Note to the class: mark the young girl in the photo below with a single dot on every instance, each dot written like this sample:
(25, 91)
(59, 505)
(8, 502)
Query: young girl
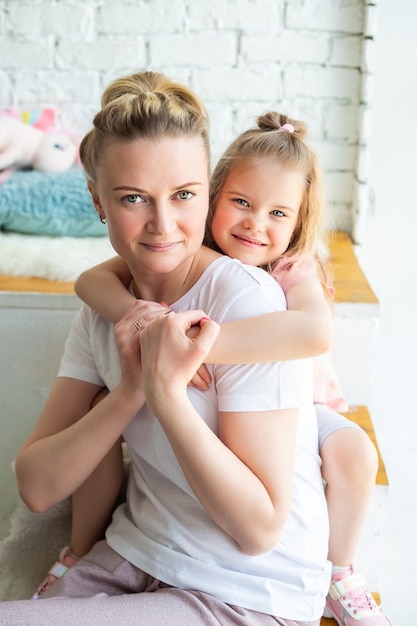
(266, 204)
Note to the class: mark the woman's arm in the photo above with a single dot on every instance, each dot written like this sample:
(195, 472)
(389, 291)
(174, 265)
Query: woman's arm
(305, 330)
(71, 438)
(104, 288)
(243, 476)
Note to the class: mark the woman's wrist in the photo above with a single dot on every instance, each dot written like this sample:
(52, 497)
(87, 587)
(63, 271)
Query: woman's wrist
(166, 398)
(128, 399)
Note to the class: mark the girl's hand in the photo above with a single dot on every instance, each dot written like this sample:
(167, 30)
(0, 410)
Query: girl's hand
(169, 357)
(201, 379)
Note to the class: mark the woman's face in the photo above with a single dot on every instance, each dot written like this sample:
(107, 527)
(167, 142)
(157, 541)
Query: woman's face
(257, 211)
(154, 195)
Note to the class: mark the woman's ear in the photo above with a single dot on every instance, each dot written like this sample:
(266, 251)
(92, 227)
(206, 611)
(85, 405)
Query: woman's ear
(96, 201)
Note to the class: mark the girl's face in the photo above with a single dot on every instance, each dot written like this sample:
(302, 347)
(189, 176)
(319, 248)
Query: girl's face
(154, 195)
(257, 211)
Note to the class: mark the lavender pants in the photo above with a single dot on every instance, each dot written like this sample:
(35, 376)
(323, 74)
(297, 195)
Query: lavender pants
(103, 589)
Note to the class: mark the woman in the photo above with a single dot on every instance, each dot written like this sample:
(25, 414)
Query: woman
(225, 520)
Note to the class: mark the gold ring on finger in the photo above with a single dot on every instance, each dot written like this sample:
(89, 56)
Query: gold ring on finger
(138, 325)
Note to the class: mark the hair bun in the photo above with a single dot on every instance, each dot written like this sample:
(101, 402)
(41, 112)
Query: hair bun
(272, 120)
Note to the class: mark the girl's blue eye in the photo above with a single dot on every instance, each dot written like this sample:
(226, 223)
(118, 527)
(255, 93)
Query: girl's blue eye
(185, 195)
(277, 213)
(242, 202)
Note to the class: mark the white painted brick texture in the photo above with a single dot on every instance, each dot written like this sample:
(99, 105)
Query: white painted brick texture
(305, 58)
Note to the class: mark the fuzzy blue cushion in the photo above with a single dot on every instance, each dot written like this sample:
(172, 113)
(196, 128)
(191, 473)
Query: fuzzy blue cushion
(44, 203)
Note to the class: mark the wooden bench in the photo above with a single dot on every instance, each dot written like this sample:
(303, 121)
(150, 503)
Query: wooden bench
(22, 284)
(351, 284)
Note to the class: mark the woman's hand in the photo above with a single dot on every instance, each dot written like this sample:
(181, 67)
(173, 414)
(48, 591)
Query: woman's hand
(144, 311)
(136, 318)
(170, 358)
(128, 347)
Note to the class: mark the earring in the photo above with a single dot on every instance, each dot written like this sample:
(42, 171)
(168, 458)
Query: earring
(103, 220)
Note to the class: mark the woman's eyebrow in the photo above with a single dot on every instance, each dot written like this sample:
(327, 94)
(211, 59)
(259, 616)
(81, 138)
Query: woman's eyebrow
(128, 188)
(139, 190)
(189, 184)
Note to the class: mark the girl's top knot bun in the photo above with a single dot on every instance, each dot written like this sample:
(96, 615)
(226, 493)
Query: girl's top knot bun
(274, 121)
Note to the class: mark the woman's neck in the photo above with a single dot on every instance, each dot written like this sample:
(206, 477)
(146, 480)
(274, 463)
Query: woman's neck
(172, 286)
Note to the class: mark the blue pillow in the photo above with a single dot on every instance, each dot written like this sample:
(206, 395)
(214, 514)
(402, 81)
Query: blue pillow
(46, 203)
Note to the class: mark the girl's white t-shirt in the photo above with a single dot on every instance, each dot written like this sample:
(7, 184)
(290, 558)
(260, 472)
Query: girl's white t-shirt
(162, 528)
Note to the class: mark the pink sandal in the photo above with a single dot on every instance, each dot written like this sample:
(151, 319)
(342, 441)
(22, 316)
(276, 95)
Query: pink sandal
(58, 569)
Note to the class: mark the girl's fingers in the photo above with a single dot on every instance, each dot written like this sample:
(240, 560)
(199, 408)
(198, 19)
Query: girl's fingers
(208, 335)
(202, 378)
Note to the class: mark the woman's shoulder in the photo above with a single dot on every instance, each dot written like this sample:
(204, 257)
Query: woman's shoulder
(229, 289)
(228, 270)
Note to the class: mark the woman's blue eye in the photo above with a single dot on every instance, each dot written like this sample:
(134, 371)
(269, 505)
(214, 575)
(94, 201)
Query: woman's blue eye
(132, 198)
(185, 195)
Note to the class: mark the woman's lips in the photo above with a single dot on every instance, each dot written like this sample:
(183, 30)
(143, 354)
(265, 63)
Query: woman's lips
(160, 247)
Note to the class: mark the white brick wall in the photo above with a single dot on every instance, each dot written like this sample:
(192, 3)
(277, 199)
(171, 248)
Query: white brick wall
(306, 58)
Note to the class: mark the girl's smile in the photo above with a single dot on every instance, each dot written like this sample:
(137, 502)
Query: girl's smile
(248, 241)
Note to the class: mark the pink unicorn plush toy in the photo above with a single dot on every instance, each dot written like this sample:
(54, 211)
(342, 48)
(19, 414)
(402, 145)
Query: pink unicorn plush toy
(25, 146)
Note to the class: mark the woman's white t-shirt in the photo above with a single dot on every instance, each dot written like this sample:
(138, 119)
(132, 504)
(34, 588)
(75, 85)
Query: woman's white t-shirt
(162, 528)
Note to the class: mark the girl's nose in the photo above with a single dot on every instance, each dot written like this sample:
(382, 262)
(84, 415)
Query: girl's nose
(254, 222)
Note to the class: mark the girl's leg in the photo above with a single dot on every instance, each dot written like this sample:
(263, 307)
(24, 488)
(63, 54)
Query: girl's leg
(93, 503)
(92, 507)
(349, 468)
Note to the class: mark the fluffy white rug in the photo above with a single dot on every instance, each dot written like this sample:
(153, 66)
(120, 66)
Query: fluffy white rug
(53, 258)
(34, 543)
(31, 548)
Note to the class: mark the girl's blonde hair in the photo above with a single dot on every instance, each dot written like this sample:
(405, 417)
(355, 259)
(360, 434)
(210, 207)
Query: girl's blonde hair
(279, 138)
(143, 105)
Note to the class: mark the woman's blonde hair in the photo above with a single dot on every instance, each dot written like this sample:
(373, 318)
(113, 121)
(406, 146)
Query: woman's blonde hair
(279, 138)
(143, 105)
